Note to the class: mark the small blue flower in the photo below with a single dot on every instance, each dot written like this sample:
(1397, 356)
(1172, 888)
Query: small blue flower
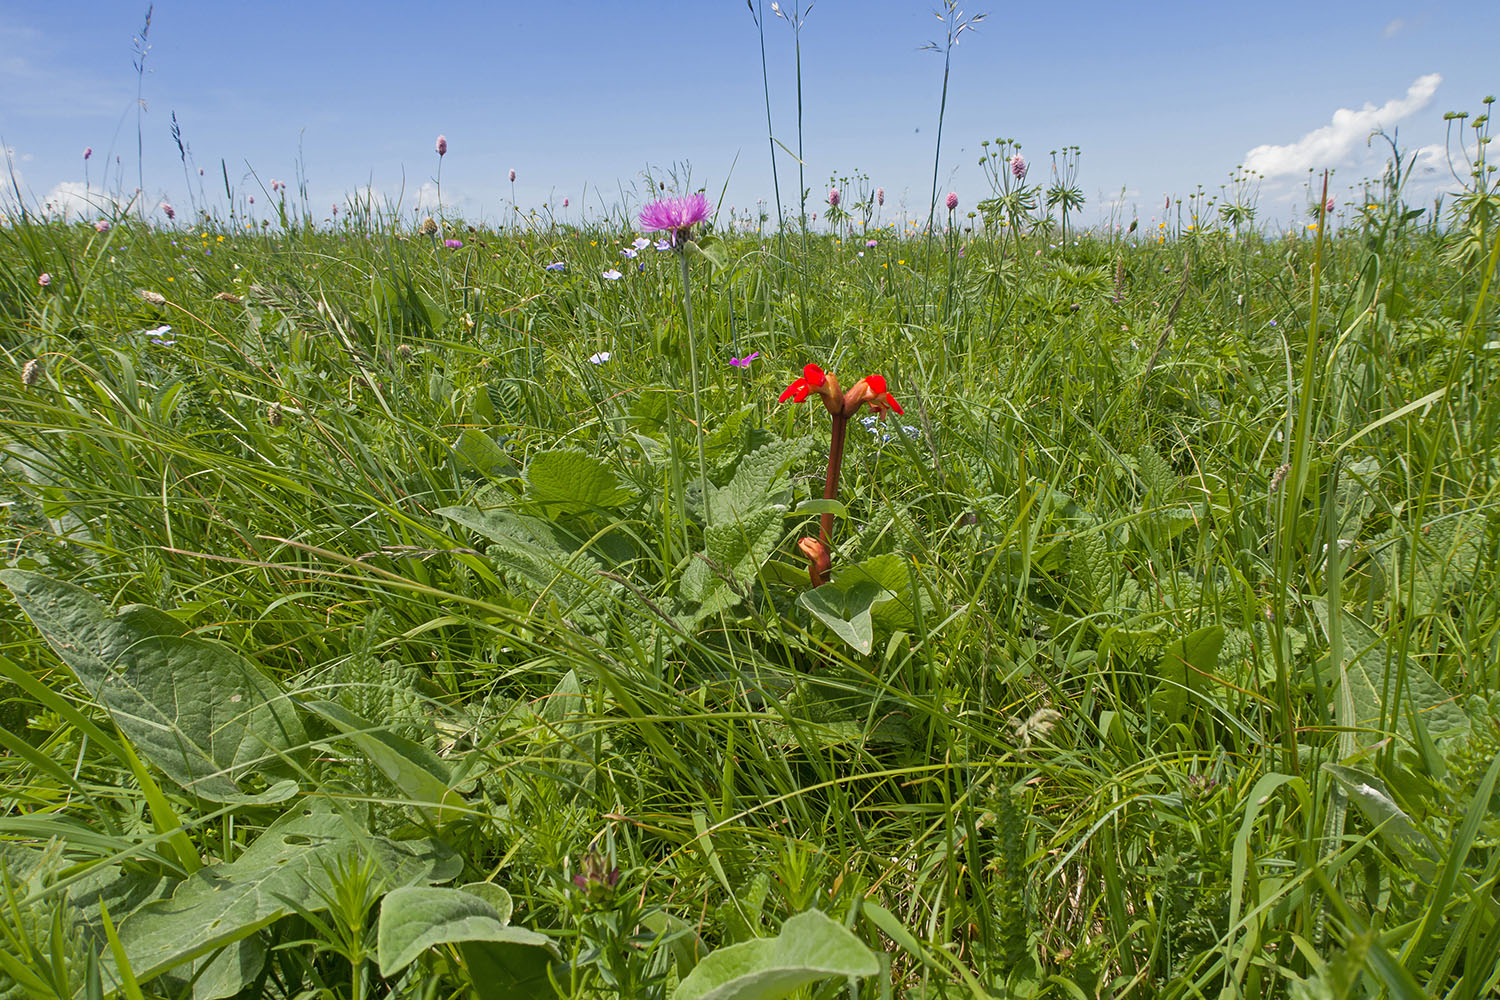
(556, 265)
(611, 275)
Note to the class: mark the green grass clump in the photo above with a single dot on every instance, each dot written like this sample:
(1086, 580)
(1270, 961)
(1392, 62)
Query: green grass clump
(1160, 655)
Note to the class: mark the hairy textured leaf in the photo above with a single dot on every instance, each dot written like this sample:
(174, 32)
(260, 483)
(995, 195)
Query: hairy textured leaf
(1187, 665)
(736, 549)
(199, 711)
(810, 947)
(289, 863)
(415, 918)
(573, 482)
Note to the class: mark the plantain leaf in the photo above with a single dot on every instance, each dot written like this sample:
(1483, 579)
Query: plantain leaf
(810, 947)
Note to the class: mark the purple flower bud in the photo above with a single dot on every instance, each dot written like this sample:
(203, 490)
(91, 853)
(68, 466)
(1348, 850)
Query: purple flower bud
(442, 145)
(833, 197)
(952, 200)
(512, 175)
(880, 196)
(88, 151)
(1018, 166)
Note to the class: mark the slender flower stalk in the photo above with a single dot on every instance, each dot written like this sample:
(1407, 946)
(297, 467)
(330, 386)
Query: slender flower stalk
(840, 406)
(678, 216)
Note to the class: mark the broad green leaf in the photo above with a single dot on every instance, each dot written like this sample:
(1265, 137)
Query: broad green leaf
(573, 482)
(846, 612)
(1393, 824)
(476, 451)
(734, 549)
(415, 918)
(759, 481)
(290, 863)
(1188, 664)
(892, 572)
(810, 947)
(419, 773)
(494, 895)
(820, 506)
(1370, 668)
(199, 711)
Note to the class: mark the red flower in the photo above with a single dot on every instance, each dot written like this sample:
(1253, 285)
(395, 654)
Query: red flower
(880, 399)
(812, 379)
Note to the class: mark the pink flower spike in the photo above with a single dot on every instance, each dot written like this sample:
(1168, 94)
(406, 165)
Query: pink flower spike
(833, 197)
(512, 175)
(952, 200)
(442, 145)
(880, 196)
(1018, 166)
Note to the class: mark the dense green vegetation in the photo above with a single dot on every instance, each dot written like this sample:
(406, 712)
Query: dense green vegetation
(371, 633)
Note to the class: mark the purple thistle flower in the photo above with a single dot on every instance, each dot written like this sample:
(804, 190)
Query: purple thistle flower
(952, 200)
(88, 151)
(745, 361)
(1018, 166)
(833, 197)
(611, 275)
(252, 199)
(454, 244)
(442, 145)
(556, 265)
(168, 211)
(565, 203)
(676, 215)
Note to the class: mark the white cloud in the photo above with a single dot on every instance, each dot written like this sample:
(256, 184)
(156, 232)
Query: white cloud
(1394, 27)
(73, 199)
(1333, 143)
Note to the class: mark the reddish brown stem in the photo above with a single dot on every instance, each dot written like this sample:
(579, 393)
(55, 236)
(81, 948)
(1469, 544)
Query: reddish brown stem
(818, 571)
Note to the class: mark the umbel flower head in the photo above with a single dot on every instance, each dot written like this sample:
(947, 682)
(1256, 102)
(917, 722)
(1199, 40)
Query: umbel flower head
(675, 215)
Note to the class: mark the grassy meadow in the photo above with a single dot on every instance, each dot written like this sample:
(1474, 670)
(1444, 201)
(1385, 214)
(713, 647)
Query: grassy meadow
(391, 617)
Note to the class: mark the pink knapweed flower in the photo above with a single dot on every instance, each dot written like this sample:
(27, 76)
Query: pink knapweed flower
(454, 244)
(676, 215)
(833, 197)
(1328, 208)
(442, 145)
(745, 361)
(512, 175)
(952, 200)
(101, 226)
(44, 279)
(880, 196)
(88, 151)
(1018, 166)
(200, 171)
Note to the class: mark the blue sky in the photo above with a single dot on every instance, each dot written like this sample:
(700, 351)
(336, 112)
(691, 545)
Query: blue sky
(580, 97)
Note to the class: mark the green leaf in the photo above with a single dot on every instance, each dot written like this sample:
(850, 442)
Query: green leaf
(710, 248)
(820, 506)
(288, 866)
(573, 482)
(420, 774)
(810, 947)
(846, 612)
(199, 711)
(476, 451)
(1187, 665)
(734, 549)
(891, 572)
(494, 895)
(1395, 827)
(416, 918)
(1370, 667)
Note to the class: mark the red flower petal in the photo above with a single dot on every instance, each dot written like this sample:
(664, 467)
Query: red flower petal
(787, 392)
(876, 384)
(814, 375)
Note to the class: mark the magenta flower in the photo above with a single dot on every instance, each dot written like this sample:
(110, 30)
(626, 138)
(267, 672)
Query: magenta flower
(168, 211)
(676, 215)
(872, 243)
(565, 203)
(512, 175)
(101, 226)
(833, 197)
(745, 361)
(454, 244)
(442, 145)
(880, 196)
(952, 200)
(44, 279)
(252, 199)
(1018, 166)
(88, 151)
